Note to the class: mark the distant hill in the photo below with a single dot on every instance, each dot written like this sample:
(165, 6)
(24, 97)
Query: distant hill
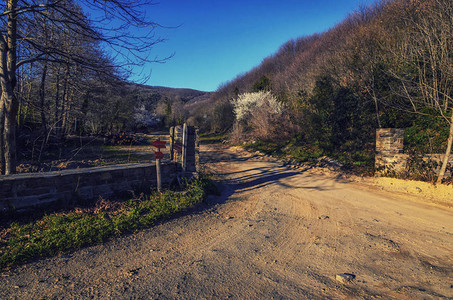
(159, 106)
(153, 94)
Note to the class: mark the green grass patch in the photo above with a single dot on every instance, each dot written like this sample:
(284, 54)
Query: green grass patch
(213, 138)
(265, 147)
(287, 150)
(304, 154)
(125, 154)
(56, 234)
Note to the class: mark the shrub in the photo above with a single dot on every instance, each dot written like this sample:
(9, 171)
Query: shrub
(248, 102)
(262, 117)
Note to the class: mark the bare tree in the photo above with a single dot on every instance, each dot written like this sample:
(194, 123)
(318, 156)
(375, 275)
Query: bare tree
(421, 51)
(113, 29)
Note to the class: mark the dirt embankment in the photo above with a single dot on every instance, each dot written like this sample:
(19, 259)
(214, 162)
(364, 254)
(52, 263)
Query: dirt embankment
(276, 232)
(441, 195)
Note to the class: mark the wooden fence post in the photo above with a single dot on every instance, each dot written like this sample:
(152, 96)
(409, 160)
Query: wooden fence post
(159, 155)
(172, 142)
(159, 176)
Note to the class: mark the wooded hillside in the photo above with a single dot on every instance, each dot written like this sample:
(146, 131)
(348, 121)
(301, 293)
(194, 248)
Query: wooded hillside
(388, 65)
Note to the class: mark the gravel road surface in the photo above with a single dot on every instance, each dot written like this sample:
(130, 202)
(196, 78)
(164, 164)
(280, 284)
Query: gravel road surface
(276, 232)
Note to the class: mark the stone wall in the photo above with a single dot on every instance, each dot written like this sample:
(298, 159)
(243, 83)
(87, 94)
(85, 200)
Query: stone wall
(22, 192)
(389, 150)
(390, 156)
(435, 160)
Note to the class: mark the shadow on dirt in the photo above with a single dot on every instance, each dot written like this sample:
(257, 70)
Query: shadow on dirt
(277, 173)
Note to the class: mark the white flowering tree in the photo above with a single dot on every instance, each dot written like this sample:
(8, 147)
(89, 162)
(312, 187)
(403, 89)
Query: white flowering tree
(247, 103)
(259, 113)
(144, 118)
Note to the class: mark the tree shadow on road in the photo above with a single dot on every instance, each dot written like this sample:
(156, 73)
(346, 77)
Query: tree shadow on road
(273, 173)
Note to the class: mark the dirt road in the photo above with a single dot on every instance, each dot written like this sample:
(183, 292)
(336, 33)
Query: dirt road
(276, 232)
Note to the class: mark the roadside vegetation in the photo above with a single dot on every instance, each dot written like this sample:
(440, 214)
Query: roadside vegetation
(63, 232)
(213, 138)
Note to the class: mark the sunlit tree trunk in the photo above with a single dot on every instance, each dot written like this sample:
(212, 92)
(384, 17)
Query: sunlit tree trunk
(447, 152)
(2, 143)
(8, 81)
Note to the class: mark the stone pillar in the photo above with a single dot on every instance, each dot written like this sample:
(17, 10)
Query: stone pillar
(389, 151)
(186, 139)
(190, 150)
(177, 143)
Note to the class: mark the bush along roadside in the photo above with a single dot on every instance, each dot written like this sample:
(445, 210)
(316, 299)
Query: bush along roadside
(61, 233)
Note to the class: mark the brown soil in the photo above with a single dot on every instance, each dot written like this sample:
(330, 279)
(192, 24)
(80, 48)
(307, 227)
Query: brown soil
(276, 232)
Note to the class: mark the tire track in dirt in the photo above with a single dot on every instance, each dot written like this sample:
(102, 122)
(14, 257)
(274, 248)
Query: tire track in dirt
(276, 232)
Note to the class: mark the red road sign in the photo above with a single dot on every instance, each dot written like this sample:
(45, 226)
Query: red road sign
(158, 144)
(177, 147)
(159, 155)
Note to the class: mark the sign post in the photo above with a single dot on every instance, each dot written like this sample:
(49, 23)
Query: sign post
(159, 155)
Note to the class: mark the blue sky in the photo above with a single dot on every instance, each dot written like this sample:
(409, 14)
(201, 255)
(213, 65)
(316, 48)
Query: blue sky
(218, 40)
